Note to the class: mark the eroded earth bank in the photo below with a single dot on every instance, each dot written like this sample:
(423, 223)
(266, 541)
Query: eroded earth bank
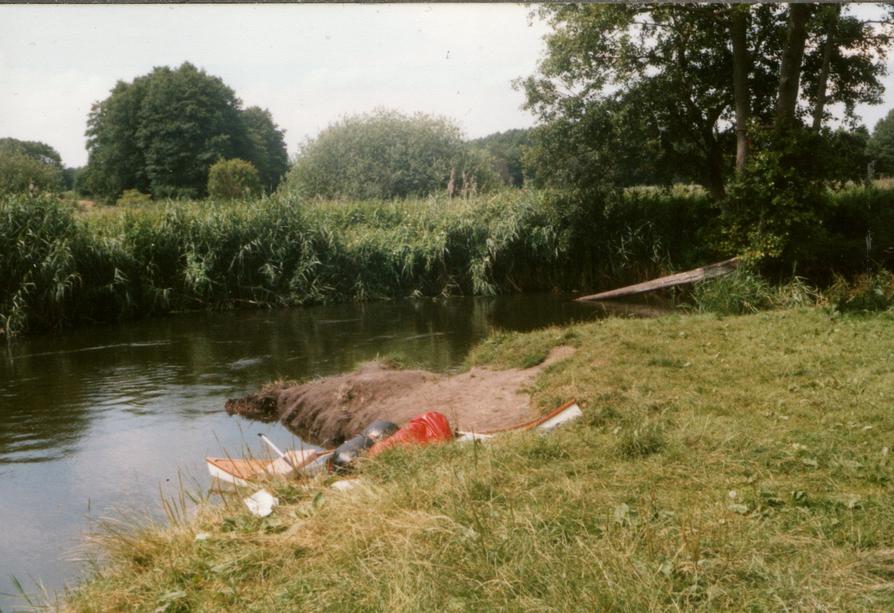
(329, 410)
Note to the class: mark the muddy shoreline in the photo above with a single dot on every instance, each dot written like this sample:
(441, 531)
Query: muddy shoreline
(329, 410)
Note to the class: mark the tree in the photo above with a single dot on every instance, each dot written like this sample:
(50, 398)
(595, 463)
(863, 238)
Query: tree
(116, 161)
(664, 70)
(613, 142)
(384, 154)
(268, 151)
(38, 151)
(790, 65)
(688, 83)
(29, 166)
(881, 145)
(233, 179)
(739, 28)
(187, 120)
(162, 132)
(844, 63)
(508, 149)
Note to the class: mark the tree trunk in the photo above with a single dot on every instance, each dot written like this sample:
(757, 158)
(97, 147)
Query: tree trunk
(716, 183)
(790, 67)
(828, 47)
(740, 84)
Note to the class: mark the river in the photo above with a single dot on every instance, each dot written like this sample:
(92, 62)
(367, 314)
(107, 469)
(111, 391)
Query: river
(97, 422)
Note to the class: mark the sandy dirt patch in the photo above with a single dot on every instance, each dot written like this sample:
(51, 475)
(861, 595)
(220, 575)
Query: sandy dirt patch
(330, 410)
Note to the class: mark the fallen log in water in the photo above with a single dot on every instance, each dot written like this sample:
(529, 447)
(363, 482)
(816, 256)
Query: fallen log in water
(710, 271)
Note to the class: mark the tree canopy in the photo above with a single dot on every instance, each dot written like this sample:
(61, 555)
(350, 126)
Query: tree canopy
(161, 133)
(881, 144)
(628, 93)
(386, 154)
(267, 152)
(508, 150)
(29, 166)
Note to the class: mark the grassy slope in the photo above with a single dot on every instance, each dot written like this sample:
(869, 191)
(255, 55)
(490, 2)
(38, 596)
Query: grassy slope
(722, 463)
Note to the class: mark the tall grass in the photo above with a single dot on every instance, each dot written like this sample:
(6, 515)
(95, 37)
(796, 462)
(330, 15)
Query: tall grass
(59, 268)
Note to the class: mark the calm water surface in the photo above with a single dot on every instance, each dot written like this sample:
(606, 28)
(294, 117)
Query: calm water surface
(96, 421)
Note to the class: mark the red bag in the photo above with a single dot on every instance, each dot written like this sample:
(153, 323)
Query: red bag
(429, 427)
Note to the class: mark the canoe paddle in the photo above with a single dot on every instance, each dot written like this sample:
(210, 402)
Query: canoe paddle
(276, 449)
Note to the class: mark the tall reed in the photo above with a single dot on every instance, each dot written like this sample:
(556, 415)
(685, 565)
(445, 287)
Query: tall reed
(60, 268)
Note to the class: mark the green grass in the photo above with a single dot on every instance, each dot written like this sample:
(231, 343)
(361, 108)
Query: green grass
(722, 463)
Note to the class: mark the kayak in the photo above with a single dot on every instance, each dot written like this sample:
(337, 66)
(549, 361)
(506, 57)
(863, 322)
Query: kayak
(242, 472)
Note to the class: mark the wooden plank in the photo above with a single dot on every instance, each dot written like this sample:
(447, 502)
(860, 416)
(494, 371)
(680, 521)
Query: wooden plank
(710, 271)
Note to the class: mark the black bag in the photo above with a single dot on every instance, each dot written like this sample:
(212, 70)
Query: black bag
(380, 429)
(348, 452)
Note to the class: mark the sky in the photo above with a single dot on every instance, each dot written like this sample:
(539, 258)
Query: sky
(309, 65)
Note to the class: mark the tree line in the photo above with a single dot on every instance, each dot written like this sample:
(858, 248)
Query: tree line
(732, 97)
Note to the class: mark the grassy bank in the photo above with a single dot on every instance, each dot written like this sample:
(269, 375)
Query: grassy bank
(62, 268)
(723, 463)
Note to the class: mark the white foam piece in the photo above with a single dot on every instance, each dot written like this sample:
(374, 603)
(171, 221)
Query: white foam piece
(261, 503)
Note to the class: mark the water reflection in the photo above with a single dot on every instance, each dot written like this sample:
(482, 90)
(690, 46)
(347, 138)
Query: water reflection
(95, 419)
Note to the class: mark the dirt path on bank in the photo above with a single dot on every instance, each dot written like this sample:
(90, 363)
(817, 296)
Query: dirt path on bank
(330, 410)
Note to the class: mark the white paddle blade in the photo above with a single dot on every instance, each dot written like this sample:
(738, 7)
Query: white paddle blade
(570, 414)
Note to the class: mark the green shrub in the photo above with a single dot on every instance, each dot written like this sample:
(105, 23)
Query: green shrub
(233, 180)
(868, 292)
(385, 154)
(133, 198)
(22, 174)
(743, 291)
(773, 212)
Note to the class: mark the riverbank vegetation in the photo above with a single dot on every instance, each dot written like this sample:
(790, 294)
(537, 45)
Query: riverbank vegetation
(722, 462)
(390, 205)
(59, 267)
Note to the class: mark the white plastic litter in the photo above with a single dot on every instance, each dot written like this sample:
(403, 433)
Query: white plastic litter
(261, 503)
(345, 484)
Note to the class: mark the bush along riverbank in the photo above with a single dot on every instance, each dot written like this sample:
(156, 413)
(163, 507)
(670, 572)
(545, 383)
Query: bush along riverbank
(722, 462)
(62, 268)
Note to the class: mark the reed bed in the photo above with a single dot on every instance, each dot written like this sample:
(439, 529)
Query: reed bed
(60, 267)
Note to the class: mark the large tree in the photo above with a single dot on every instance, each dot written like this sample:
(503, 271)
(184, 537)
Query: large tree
(29, 166)
(685, 84)
(162, 132)
(267, 151)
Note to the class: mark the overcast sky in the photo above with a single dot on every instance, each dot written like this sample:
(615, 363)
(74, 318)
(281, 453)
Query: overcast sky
(308, 64)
